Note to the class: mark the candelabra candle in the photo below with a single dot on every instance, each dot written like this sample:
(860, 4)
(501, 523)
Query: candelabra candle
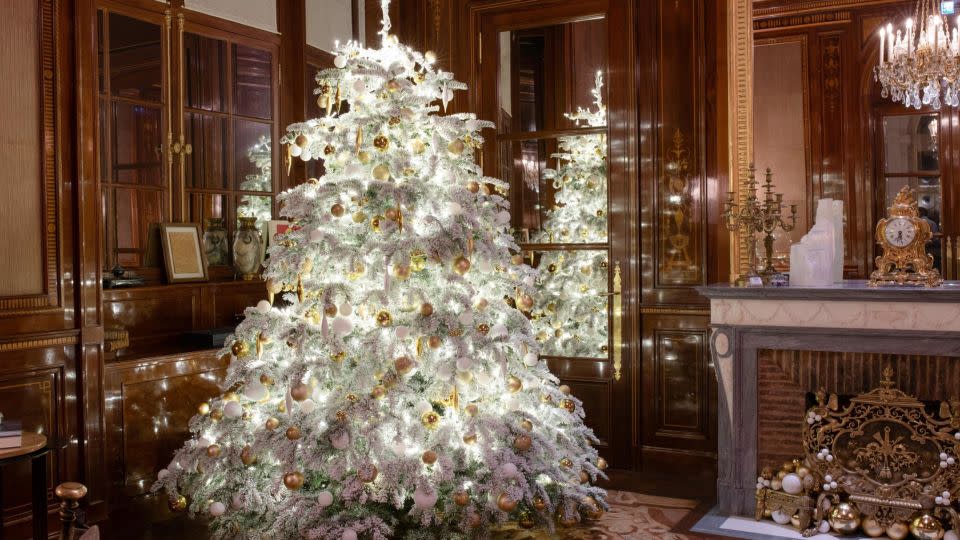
(920, 64)
(752, 216)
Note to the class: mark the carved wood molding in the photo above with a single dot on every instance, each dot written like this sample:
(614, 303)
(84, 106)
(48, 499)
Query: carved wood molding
(675, 310)
(38, 343)
(49, 143)
(804, 20)
(740, 110)
(774, 8)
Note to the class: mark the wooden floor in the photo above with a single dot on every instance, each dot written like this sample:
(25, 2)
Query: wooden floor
(150, 520)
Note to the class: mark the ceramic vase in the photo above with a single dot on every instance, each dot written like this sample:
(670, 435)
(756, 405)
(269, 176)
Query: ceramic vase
(246, 249)
(215, 242)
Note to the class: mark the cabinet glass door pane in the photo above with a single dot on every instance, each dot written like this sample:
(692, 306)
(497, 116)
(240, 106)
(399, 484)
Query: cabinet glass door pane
(135, 58)
(253, 81)
(253, 155)
(137, 150)
(206, 166)
(205, 71)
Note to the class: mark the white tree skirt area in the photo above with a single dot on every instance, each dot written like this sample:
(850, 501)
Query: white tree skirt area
(767, 528)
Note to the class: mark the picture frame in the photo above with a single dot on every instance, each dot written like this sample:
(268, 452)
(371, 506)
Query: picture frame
(183, 254)
(273, 227)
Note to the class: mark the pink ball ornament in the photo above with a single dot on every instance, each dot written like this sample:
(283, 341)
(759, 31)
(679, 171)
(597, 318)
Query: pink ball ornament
(348, 534)
(233, 410)
(236, 501)
(341, 326)
(464, 363)
(508, 469)
(217, 509)
(340, 440)
(466, 318)
(425, 497)
(325, 498)
(255, 391)
(530, 359)
(316, 235)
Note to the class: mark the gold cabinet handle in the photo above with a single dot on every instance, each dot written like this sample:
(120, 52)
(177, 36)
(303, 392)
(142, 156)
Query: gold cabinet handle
(617, 322)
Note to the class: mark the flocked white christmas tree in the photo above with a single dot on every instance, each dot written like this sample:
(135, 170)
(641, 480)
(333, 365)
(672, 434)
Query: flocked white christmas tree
(570, 318)
(392, 391)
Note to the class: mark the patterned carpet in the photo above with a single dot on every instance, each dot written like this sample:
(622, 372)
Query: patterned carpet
(632, 516)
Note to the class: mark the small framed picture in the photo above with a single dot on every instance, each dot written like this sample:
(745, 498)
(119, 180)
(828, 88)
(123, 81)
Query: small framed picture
(183, 253)
(273, 228)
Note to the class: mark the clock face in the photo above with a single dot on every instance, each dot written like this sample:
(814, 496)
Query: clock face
(900, 232)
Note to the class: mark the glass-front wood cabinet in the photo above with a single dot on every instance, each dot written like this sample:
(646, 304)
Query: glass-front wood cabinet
(187, 123)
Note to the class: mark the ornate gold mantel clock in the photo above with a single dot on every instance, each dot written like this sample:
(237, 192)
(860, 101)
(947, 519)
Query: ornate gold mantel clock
(903, 236)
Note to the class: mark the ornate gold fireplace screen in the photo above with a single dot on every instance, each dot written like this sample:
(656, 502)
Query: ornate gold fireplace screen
(883, 463)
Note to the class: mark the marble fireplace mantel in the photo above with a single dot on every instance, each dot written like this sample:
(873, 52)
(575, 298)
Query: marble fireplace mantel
(846, 318)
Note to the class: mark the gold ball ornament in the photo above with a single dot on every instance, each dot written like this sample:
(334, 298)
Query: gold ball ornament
(216, 415)
(381, 143)
(505, 503)
(539, 503)
(247, 456)
(272, 423)
(301, 140)
(328, 149)
(337, 210)
(426, 309)
(471, 409)
(456, 147)
(293, 480)
(418, 260)
(592, 509)
(514, 384)
(266, 380)
(569, 405)
(564, 389)
(384, 318)
(483, 329)
(601, 463)
(293, 433)
(363, 156)
(300, 392)
(526, 521)
(927, 527)
(417, 146)
(461, 265)
(330, 311)
(461, 498)
(584, 477)
(473, 186)
(523, 443)
(392, 213)
(566, 463)
(403, 364)
(474, 521)
(844, 518)
(429, 457)
(338, 356)
(525, 302)
(526, 425)
(898, 531)
(567, 521)
(240, 348)
(359, 216)
(178, 504)
(871, 527)
(231, 396)
(470, 438)
(401, 271)
(434, 342)
(375, 223)
(393, 85)
(378, 391)
(214, 450)
(203, 408)
(381, 172)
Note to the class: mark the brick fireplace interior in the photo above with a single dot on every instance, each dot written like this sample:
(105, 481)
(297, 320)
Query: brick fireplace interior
(787, 382)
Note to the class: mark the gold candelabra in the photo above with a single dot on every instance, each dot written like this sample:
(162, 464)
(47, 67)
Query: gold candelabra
(754, 215)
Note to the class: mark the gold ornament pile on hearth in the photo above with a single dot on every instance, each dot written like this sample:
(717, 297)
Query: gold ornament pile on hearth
(884, 463)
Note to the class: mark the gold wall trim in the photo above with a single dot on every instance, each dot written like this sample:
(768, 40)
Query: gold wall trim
(798, 21)
(668, 310)
(769, 8)
(740, 112)
(38, 343)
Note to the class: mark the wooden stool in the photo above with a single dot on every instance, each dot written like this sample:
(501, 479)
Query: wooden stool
(35, 449)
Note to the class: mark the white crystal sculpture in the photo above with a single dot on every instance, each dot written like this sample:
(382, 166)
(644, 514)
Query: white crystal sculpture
(817, 260)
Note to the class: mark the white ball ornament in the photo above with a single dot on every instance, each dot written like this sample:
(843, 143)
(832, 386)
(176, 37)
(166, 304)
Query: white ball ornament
(204, 442)
(503, 217)
(341, 326)
(255, 391)
(316, 235)
(454, 208)
(359, 85)
(444, 372)
(217, 508)
(340, 61)
(263, 306)
(423, 407)
(295, 150)
(792, 484)
(530, 359)
(232, 410)
(464, 363)
(402, 332)
(824, 527)
(425, 497)
(781, 517)
(325, 499)
(951, 535)
(348, 534)
(308, 406)
(485, 266)
(306, 155)
(346, 309)
(482, 378)
(466, 318)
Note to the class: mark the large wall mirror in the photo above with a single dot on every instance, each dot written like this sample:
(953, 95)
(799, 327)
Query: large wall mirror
(823, 127)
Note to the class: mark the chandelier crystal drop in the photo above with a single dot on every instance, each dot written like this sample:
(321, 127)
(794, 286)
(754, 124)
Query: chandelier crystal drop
(919, 64)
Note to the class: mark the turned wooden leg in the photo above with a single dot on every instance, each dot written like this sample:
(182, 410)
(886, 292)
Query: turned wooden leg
(69, 494)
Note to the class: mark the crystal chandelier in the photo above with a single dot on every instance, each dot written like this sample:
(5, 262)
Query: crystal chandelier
(920, 61)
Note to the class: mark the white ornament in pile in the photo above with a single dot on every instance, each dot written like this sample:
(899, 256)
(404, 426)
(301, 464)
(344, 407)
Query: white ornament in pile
(792, 484)
(263, 306)
(780, 517)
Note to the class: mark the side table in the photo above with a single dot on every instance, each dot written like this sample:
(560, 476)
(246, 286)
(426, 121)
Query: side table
(35, 449)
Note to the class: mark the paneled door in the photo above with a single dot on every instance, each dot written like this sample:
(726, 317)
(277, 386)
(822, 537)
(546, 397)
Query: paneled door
(544, 78)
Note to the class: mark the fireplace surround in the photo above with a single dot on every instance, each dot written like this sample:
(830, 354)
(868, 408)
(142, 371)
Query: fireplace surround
(773, 346)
